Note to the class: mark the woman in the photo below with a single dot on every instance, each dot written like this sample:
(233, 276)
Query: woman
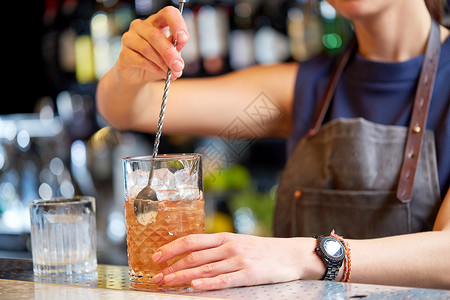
(373, 100)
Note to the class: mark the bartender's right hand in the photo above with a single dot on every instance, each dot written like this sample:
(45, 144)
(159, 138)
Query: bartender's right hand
(147, 48)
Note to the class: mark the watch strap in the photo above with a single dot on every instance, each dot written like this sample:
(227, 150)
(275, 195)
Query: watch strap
(331, 273)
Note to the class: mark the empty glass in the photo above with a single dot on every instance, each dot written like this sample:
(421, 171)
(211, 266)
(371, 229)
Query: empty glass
(63, 235)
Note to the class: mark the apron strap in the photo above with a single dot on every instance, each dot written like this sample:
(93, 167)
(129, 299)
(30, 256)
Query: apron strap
(419, 115)
(331, 87)
(417, 125)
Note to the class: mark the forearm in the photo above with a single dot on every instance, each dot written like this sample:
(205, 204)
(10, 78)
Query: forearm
(120, 105)
(419, 260)
(204, 106)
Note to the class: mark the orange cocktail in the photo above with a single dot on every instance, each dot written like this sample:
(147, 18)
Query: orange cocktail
(175, 219)
(178, 212)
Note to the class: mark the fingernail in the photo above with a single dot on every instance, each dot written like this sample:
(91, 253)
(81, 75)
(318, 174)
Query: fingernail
(181, 36)
(176, 75)
(169, 277)
(157, 256)
(158, 277)
(177, 66)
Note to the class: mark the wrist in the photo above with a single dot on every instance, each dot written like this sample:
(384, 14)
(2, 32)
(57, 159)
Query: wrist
(312, 266)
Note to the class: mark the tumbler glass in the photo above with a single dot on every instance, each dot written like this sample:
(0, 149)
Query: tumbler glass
(63, 236)
(179, 211)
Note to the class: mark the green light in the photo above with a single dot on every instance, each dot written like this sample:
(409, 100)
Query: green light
(332, 40)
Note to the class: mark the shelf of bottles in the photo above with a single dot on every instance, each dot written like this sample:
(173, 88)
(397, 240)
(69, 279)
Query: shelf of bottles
(226, 35)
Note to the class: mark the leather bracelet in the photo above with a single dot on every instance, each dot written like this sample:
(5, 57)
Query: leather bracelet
(347, 258)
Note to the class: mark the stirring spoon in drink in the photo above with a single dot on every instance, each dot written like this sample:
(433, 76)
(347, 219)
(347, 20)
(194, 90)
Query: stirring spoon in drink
(145, 203)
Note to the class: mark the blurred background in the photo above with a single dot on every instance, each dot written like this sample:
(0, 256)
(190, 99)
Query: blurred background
(53, 142)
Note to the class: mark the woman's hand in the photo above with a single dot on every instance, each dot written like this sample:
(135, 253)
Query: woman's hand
(223, 260)
(147, 50)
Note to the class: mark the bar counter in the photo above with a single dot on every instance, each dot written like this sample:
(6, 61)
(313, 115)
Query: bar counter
(111, 282)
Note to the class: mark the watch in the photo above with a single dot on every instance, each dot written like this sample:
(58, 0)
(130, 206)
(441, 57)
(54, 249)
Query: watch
(332, 252)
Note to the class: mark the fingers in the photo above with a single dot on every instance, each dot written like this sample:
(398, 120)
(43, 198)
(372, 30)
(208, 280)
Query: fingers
(214, 282)
(170, 17)
(204, 271)
(215, 262)
(143, 56)
(134, 41)
(196, 259)
(152, 44)
(223, 281)
(131, 67)
(147, 47)
(193, 242)
(226, 260)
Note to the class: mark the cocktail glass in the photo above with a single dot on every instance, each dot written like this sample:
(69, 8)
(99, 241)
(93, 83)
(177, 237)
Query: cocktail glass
(179, 211)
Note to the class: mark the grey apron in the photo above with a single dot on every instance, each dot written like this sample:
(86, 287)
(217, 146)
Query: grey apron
(363, 179)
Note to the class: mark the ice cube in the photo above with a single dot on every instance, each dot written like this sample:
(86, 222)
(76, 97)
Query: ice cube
(136, 181)
(189, 193)
(187, 184)
(171, 195)
(163, 179)
(183, 178)
(134, 190)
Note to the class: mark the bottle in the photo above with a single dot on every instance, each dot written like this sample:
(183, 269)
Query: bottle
(305, 29)
(271, 42)
(213, 28)
(242, 34)
(191, 52)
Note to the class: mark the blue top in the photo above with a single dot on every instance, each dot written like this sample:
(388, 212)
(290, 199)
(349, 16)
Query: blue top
(379, 92)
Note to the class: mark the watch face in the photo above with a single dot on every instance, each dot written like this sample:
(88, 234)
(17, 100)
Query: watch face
(333, 248)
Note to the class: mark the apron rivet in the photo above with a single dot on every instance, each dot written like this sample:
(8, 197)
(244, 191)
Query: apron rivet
(417, 129)
(425, 80)
(298, 194)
